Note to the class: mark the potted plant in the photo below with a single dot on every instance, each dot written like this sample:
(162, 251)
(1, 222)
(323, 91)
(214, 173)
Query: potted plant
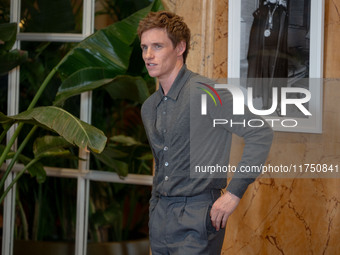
(110, 70)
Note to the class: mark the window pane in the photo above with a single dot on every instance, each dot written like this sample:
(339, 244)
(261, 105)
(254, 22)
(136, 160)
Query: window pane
(114, 113)
(3, 100)
(3, 93)
(4, 11)
(43, 57)
(4, 18)
(45, 212)
(109, 12)
(62, 16)
(118, 212)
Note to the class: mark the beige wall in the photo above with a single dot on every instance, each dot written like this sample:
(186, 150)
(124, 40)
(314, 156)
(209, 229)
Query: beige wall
(278, 216)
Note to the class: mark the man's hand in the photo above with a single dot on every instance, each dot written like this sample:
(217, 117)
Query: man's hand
(222, 209)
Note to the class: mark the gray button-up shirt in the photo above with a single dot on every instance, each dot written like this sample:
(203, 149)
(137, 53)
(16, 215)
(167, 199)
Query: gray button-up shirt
(168, 123)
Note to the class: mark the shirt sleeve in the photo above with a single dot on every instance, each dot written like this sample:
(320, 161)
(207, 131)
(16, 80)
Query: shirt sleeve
(257, 138)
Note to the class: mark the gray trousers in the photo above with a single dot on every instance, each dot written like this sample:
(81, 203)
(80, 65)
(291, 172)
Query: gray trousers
(182, 225)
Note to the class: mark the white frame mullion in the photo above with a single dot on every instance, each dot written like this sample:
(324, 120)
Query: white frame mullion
(12, 109)
(83, 187)
(50, 37)
(9, 202)
(94, 175)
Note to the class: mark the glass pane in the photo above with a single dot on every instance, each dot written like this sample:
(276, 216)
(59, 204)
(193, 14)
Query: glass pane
(45, 212)
(278, 33)
(109, 12)
(1, 213)
(3, 93)
(4, 18)
(4, 11)
(116, 112)
(43, 57)
(3, 101)
(118, 212)
(127, 149)
(46, 16)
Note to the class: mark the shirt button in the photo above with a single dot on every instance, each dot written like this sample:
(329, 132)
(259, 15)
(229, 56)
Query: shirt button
(166, 148)
(166, 178)
(164, 112)
(164, 130)
(166, 163)
(165, 98)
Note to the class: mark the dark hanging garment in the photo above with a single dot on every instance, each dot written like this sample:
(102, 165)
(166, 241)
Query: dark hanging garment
(267, 53)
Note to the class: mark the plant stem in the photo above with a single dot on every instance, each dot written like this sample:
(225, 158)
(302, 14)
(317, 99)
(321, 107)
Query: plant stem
(16, 155)
(42, 88)
(33, 161)
(9, 145)
(18, 129)
(3, 134)
(23, 217)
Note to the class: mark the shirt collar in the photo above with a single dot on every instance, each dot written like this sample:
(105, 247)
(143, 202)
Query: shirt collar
(176, 87)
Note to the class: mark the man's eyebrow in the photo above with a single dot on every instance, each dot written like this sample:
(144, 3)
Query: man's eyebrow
(154, 43)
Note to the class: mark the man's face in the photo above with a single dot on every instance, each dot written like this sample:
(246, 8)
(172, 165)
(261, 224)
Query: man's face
(159, 54)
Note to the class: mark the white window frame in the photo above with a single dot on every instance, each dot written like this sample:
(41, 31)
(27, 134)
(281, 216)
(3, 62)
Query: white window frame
(83, 174)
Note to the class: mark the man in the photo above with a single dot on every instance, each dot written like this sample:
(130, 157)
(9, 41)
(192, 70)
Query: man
(188, 215)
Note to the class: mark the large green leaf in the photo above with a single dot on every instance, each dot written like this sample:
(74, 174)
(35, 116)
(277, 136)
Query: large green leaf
(36, 170)
(48, 143)
(125, 140)
(65, 124)
(83, 80)
(108, 157)
(8, 34)
(119, 87)
(109, 48)
(128, 87)
(11, 59)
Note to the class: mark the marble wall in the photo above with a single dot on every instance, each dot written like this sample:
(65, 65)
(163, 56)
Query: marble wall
(278, 216)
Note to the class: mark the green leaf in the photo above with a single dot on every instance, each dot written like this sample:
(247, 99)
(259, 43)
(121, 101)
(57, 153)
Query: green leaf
(119, 87)
(109, 48)
(128, 87)
(146, 156)
(108, 157)
(11, 59)
(65, 124)
(83, 80)
(49, 143)
(125, 140)
(36, 170)
(5, 121)
(8, 34)
(109, 216)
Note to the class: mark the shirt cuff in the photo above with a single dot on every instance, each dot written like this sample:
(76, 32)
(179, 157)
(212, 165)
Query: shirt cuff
(238, 186)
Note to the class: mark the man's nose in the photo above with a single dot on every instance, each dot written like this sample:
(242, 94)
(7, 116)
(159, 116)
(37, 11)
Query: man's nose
(149, 53)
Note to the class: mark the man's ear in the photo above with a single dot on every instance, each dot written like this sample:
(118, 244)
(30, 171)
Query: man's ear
(180, 48)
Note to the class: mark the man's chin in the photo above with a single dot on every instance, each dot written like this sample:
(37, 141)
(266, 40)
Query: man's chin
(153, 74)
